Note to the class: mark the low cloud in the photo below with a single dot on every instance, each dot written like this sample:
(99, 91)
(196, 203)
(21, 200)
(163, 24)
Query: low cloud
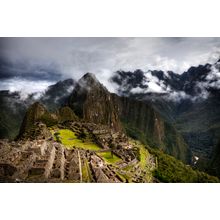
(150, 84)
(178, 96)
(24, 87)
(212, 81)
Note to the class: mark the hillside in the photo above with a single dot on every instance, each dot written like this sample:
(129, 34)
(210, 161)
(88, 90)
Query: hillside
(79, 152)
(12, 110)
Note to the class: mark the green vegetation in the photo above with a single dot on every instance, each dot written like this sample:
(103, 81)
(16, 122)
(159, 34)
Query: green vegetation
(171, 141)
(109, 157)
(57, 137)
(134, 133)
(48, 120)
(171, 170)
(139, 170)
(144, 154)
(69, 139)
(66, 114)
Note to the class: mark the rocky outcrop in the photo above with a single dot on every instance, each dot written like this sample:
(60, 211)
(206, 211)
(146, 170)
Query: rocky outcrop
(92, 102)
(66, 114)
(35, 121)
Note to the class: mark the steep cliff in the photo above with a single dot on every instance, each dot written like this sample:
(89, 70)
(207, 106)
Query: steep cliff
(143, 122)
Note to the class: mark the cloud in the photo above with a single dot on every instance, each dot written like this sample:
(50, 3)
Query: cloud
(24, 87)
(150, 84)
(212, 81)
(53, 59)
(177, 96)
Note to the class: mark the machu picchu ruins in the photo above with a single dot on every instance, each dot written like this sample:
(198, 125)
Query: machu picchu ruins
(46, 160)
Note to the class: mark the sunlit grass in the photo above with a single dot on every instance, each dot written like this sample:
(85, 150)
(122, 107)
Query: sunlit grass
(107, 156)
(69, 139)
(144, 154)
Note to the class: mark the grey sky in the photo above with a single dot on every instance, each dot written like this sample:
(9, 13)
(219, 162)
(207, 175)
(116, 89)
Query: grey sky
(60, 58)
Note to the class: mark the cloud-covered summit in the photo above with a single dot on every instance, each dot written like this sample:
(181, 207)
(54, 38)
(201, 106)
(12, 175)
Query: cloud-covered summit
(197, 83)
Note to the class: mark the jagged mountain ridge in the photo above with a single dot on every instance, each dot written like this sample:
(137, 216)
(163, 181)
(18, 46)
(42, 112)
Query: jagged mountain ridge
(203, 78)
(189, 101)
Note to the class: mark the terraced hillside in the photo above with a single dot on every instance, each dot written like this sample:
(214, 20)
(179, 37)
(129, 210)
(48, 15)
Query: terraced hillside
(77, 152)
(69, 156)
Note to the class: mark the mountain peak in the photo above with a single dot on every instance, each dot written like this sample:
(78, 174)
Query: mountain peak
(89, 75)
(37, 106)
(91, 101)
(33, 114)
(89, 79)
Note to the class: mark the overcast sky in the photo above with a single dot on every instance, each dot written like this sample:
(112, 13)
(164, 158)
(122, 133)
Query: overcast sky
(42, 61)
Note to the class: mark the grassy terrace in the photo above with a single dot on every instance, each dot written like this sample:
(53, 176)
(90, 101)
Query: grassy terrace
(144, 154)
(69, 139)
(107, 156)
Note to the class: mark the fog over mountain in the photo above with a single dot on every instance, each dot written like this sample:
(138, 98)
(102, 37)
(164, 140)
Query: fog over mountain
(32, 64)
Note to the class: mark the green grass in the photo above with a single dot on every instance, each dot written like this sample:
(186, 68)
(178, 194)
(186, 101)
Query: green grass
(143, 153)
(143, 157)
(69, 139)
(108, 157)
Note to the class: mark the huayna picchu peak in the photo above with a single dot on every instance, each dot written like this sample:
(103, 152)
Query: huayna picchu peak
(92, 102)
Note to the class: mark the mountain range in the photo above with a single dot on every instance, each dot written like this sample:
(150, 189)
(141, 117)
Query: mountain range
(190, 102)
(171, 114)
